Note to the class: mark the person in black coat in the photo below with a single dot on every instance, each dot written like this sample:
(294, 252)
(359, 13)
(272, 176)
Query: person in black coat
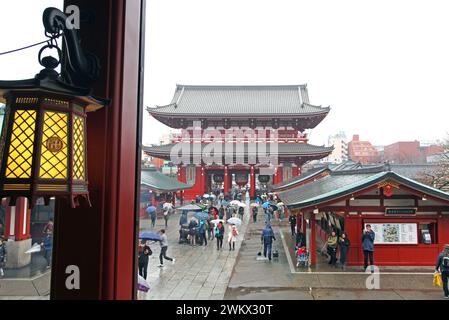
(193, 226)
(144, 255)
(292, 220)
(443, 266)
(343, 243)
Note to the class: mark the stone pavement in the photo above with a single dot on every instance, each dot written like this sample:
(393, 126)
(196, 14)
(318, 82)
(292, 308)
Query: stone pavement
(260, 279)
(199, 272)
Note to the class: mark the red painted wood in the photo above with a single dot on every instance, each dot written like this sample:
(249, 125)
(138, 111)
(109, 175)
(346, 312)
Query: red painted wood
(21, 219)
(252, 190)
(107, 259)
(197, 188)
(313, 239)
(295, 172)
(227, 182)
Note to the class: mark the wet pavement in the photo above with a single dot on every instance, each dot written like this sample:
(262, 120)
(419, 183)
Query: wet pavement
(199, 272)
(257, 279)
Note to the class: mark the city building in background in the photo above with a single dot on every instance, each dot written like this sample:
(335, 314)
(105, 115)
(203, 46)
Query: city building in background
(410, 152)
(340, 152)
(362, 151)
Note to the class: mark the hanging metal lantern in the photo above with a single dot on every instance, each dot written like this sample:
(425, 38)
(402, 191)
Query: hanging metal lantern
(43, 140)
(218, 178)
(241, 179)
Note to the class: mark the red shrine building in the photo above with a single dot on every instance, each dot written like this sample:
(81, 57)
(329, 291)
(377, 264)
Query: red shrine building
(238, 135)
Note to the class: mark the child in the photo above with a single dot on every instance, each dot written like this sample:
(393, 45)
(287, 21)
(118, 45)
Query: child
(301, 256)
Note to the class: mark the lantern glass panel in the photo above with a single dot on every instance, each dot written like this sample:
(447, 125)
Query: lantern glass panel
(20, 155)
(54, 150)
(78, 149)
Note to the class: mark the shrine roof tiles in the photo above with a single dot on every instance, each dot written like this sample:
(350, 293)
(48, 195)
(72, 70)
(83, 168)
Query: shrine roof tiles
(238, 100)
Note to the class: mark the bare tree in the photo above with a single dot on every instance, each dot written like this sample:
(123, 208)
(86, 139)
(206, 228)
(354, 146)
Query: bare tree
(438, 177)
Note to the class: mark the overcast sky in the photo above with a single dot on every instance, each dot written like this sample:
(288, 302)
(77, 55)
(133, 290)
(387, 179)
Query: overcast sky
(382, 66)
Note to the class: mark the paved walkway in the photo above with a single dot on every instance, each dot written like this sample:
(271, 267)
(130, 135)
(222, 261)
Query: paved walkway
(199, 272)
(257, 279)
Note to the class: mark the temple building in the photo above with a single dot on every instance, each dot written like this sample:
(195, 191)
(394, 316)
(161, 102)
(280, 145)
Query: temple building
(410, 219)
(242, 135)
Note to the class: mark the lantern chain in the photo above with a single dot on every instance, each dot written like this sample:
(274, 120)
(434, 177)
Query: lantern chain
(51, 42)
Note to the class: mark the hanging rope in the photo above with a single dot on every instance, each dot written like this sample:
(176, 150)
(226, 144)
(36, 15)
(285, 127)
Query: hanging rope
(49, 41)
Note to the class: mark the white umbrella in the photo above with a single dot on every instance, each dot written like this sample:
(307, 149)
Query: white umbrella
(167, 205)
(241, 204)
(234, 203)
(235, 221)
(35, 248)
(217, 221)
(254, 204)
(206, 195)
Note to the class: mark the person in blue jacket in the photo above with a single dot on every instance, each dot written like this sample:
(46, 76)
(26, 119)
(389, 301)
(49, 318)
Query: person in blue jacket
(368, 246)
(267, 240)
(47, 246)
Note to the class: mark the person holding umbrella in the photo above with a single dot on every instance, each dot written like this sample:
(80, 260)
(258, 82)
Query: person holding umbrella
(232, 236)
(202, 232)
(192, 231)
(164, 247)
(219, 234)
(151, 211)
(183, 218)
(241, 212)
(255, 211)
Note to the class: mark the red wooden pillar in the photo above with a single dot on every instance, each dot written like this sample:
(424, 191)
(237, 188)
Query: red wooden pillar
(203, 180)
(280, 174)
(313, 240)
(226, 180)
(295, 172)
(22, 221)
(275, 176)
(107, 262)
(252, 189)
(17, 220)
(182, 173)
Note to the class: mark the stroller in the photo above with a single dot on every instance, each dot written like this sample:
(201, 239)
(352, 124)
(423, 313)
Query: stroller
(302, 257)
(183, 234)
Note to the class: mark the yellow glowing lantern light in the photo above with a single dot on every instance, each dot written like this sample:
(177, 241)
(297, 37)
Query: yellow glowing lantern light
(43, 145)
(43, 139)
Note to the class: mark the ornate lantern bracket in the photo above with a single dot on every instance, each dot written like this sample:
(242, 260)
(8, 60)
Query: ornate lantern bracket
(43, 141)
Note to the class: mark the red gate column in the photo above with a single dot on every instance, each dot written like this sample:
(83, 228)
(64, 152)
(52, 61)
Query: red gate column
(226, 180)
(22, 225)
(295, 172)
(17, 231)
(275, 176)
(252, 188)
(106, 232)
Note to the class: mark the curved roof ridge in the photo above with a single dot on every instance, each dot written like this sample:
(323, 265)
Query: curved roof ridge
(315, 106)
